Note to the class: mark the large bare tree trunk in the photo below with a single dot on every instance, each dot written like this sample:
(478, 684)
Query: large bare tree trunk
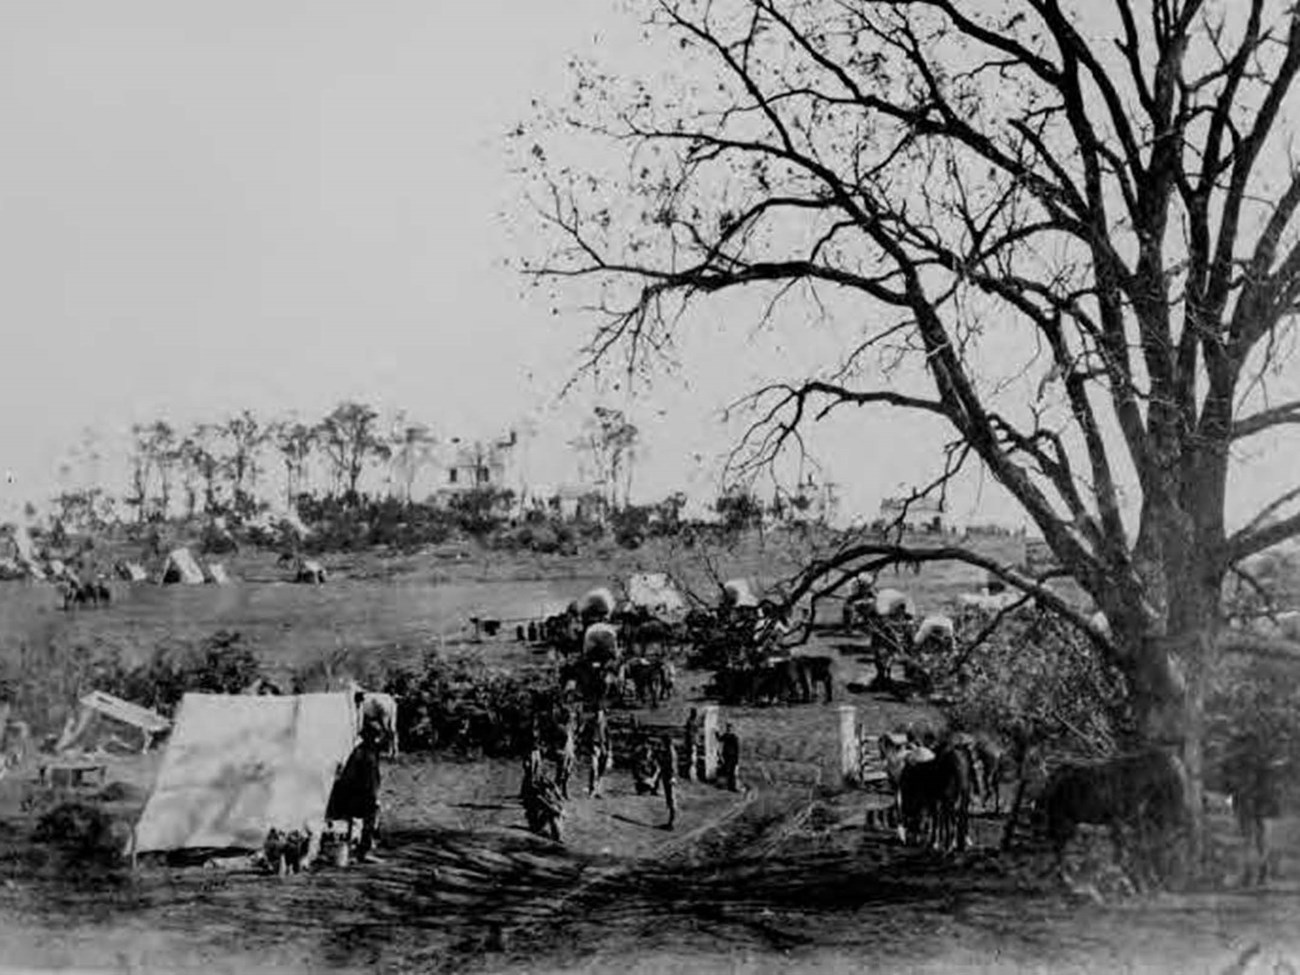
(1168, 676)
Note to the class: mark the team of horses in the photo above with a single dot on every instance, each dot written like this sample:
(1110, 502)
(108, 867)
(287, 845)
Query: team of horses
(1140, 797)
(79, 593)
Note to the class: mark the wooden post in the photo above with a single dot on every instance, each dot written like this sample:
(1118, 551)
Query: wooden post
(710, 742)
(848, 744)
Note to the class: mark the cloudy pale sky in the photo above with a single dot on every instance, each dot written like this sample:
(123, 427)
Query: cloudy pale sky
(278, 205)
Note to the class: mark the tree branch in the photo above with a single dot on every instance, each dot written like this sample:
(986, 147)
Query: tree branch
(904, 554)
(1280, 415)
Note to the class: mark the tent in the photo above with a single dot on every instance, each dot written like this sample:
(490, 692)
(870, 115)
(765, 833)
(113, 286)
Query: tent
(131, 572)
(181, 567)
(237, 766)
(655, 591)
(215, 573)
(98, 704)
(20, 552)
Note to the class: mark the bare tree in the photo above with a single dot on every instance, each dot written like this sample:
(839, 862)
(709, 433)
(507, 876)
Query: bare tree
(349, 438)
(1109, 187)
(199, 451)
(244, 435)
(137, 496)
(295, 441)
(609, 439)
(165, 455)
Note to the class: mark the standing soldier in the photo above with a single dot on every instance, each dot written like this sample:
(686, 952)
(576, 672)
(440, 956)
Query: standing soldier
(730, 758)
(597, 742)
(567, 756)
(692, 737)
(356, 793)
(532, 764)
(542, 803)
(668, 777)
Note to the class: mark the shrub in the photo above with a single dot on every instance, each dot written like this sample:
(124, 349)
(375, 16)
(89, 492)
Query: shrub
(80, 830)
(1257, 700)
(464, 706)
(1038, 680)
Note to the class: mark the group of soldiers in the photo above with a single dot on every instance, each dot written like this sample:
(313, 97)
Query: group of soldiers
(655, 766)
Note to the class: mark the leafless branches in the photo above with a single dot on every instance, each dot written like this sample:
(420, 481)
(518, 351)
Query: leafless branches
(958, 171)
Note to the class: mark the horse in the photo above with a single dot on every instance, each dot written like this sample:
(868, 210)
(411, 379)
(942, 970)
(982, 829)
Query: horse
(990, 762)
(1251, 775)
(378, 710)
(897, 751)
(814, 672)
(1143, 793)
(934, 799)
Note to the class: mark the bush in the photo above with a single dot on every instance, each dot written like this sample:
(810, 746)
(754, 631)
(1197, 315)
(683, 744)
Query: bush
(466, 707)
(1252, 699)
(1038, 680)
(220, 664)
(215, 541)
(81, 830)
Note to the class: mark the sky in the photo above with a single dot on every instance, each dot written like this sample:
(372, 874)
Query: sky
(279, 206)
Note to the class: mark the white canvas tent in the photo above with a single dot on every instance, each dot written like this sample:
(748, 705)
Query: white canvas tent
(237, 766)
(181, 567)
(215, 573)
(655, 592)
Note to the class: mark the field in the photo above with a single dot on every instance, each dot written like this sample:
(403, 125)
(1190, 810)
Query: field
(781, 876)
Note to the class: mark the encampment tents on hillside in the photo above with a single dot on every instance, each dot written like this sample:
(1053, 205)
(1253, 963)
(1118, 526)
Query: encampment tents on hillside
(237, 766)
(215, 573)
(182, 568)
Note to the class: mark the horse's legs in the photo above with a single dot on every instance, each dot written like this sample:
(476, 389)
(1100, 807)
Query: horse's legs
(1130, 858)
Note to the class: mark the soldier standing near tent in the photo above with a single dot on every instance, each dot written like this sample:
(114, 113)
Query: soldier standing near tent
(356, 792)
(668, 777)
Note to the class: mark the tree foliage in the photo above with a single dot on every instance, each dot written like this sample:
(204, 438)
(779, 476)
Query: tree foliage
(610, 439)
(349, 437)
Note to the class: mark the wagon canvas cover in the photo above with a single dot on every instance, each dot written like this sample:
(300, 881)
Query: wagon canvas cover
(238, 765)
(655, 591)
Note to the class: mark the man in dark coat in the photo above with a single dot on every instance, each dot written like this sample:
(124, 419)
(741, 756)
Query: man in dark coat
(668, 777)
(730, 765)
(356, 792)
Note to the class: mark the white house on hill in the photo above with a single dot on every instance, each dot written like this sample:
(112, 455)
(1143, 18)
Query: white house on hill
(474, 466)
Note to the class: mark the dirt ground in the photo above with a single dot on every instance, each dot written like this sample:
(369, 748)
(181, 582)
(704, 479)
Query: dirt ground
(784, 876)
